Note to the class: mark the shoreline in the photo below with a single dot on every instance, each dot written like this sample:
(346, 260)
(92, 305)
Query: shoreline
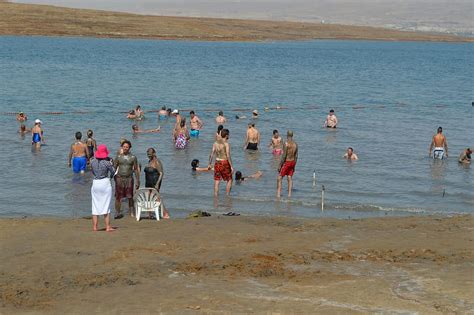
(238, 264)
(44, 20)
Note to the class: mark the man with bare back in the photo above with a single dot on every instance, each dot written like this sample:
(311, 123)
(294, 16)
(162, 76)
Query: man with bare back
(287, 163)
(252, 139)
(440, 145)
(223, 168)
(78, 155)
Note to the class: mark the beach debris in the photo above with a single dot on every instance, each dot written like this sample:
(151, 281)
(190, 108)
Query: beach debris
(314, 178)
(323, 189)
(198, 214)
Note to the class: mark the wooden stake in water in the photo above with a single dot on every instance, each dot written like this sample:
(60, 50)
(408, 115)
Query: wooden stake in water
(322, 198)
(314, 179)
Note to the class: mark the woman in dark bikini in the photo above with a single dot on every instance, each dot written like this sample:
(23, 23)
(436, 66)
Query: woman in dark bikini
(154, 175)
(91, 143)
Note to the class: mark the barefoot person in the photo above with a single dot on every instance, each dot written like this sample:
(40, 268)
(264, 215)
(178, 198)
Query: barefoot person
(223, 168)
(37, 135)
(101, 191)
(78, 154)
(154, 175)
(220, 119)
(127, 165)
(276, 143)
(136, 129)
(465, 156)
(91, 143)
(331, 120)
(195, 124)
(287, 163)
(350, 155)
(252, 138)
(440, 145)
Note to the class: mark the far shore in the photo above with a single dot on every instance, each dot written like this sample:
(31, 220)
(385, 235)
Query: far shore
(43, 20)
(245, 264)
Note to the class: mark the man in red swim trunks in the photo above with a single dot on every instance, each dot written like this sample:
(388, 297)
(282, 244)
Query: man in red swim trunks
(223, 168)
(287, 163)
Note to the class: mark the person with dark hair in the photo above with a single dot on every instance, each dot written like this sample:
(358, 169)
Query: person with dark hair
(195, 124)
(154, 175)
(195, 167)
(136, 129)
(465, 156)
(91, 143)
(350, 155)
(218, 133)
(163, 113)
(181, 135)
(78, 154)
(440, 145)
(220, 119)
(126, 165)
(287, 163)
(37, 135)
(240, 178)
(252, 139)
(276, 143)
(223, 168)
(331, 120)
(139, 113)
(103, 170)
(131, 114)
(21, 117)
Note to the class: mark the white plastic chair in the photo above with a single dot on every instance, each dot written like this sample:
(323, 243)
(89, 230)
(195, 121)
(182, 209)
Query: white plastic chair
(148, 200)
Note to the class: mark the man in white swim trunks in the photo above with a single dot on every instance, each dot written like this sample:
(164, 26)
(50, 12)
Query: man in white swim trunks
(440, 145)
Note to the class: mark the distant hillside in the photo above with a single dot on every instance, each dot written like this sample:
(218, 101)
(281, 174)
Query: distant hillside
(27, 19)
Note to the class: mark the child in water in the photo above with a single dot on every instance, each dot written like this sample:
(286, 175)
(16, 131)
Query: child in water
(276, 144)
(195, 167)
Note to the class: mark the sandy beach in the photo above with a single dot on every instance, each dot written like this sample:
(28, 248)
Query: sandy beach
(238, 264)
(44, 20)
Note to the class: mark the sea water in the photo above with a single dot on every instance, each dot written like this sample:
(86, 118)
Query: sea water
(389, 97)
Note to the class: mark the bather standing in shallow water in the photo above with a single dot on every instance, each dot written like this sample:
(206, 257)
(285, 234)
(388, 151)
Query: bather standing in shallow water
(37, 135)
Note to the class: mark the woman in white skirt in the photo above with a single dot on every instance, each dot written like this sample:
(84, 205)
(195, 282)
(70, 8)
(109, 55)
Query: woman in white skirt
(103, 170)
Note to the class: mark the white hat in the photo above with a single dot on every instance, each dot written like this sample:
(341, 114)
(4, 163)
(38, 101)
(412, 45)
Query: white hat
(175, 111)
(37, 121)
(255, 112)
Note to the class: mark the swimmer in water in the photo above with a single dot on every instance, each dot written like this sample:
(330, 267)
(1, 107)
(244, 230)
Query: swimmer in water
(131, 115)
(91, 143)
(440, 145)
(37, 135)
(195, 124)
(21, 117)
(78, 155)
(255, 114)
(163, 113)
(220, 119)
(252, 139)
(23, 130)
(465, 156)
(276, 143)
(218, 133)
(136, 129)
(240, 178)
(331, 120)
(350, 155)
(195, 167)
(139, 113)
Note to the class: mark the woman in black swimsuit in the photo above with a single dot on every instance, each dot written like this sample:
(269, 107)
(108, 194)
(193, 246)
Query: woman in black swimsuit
(154, 175)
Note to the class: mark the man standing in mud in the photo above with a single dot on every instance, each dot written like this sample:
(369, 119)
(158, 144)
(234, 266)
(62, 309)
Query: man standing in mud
(126, 164)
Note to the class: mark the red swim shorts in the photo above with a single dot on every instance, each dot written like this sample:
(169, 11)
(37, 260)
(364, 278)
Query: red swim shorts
(222, 171)
(288, 168)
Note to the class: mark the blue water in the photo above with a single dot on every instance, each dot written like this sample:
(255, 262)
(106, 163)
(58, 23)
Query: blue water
(389, 97)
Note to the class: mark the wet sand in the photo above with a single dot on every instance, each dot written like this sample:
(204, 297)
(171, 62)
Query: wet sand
(44, 20)
(238, 264)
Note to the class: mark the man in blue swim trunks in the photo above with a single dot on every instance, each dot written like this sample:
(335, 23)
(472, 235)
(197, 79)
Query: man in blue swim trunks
(78, 154)
(195, 124)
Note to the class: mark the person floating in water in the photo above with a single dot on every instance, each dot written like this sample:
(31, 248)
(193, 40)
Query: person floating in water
(91, 143)
(255, 114)
(220, 119)
(37, 134)
(154, 175)
(139, 114)
(78, 155)
(127, 165)
(276, 143)
(195, 167)
(331, 120)
(23, 130)
(195, 124)
(163, 113)
(252, 139)
(21, 117)
(287, 163)
(440, 145)
(136, 129)
(350, 155)
(223, 168)
(465, 156)
(240, 178)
